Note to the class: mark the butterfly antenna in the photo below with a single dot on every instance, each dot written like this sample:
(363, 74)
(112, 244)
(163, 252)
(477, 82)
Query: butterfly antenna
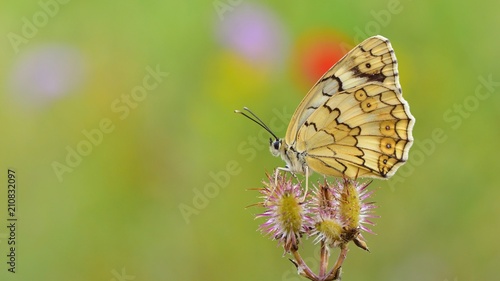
(257, 120)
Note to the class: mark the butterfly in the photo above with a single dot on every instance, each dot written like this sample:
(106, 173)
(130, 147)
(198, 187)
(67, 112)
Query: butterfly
(354, 121)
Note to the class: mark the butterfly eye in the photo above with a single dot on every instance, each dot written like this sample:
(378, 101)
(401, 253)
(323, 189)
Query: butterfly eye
(276, 145)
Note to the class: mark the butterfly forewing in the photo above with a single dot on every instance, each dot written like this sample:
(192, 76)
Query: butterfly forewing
(354, 122)
(372, 60)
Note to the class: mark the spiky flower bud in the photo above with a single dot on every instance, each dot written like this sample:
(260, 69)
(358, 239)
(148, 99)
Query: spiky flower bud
(286, 212)
(335, 214)
(341, 212)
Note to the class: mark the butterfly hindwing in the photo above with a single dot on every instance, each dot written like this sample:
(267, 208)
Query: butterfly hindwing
(363, 131)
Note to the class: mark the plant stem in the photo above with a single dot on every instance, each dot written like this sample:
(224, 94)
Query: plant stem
(335, 273)
(324, 259)
(302, 267)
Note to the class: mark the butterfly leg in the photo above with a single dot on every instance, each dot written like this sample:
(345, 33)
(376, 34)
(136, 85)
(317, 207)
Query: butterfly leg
(285, 169)
(276, 173)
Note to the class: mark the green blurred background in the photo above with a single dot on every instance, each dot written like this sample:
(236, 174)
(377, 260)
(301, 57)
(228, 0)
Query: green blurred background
(131, 165)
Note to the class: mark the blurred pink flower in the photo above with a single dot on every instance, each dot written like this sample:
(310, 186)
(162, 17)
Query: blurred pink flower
(255, 33)
(47, 73)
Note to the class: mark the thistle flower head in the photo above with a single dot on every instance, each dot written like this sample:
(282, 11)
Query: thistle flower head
(341, 213)
(286, 213)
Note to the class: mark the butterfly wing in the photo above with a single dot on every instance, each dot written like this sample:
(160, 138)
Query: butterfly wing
(365, 131)
(372, 60)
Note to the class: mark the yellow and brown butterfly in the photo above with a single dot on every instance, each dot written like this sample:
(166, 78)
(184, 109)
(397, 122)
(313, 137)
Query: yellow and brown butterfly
(354, 121)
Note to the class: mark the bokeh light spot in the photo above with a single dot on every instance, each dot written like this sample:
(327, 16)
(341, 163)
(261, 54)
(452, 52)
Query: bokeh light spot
(315, 52)
(46, 74)
(255, 33)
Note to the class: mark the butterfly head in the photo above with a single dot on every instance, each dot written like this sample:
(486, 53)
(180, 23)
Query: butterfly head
(293, 160)
(276, 147)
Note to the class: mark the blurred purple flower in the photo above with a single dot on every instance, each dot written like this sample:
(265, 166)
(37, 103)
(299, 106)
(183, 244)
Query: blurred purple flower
(254, 33)
(47, 73)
